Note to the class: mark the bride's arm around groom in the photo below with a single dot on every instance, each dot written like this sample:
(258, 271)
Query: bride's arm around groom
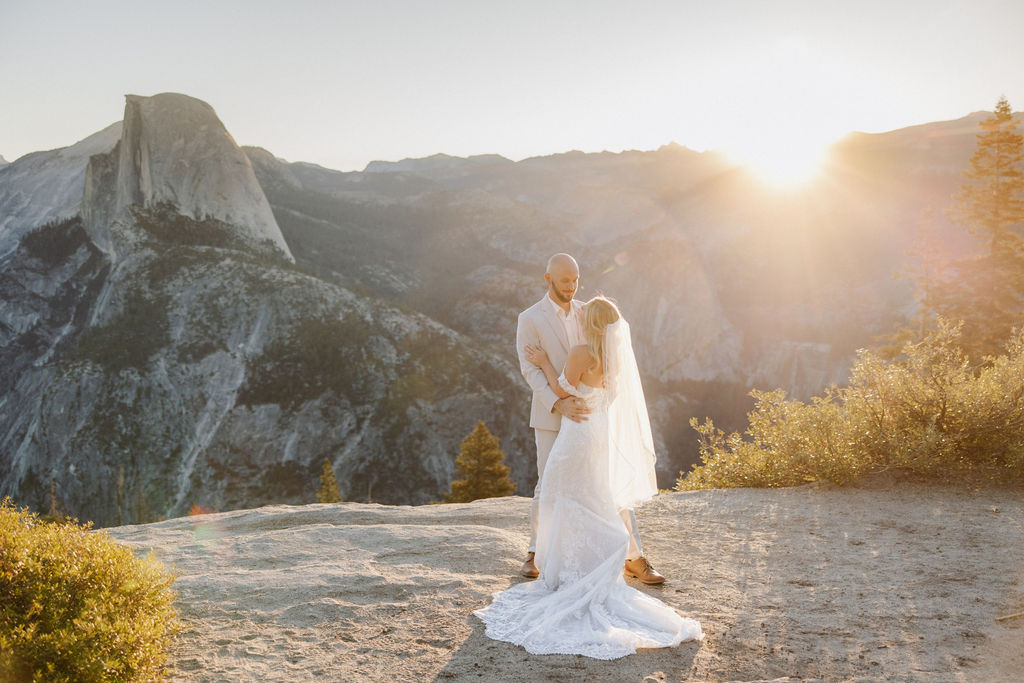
(546, 409)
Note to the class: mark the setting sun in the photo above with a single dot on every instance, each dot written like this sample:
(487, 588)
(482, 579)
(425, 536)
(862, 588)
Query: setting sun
(781, 125)
(782, 162)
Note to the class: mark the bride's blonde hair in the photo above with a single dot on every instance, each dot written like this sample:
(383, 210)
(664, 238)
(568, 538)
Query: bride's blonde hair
(598, 313)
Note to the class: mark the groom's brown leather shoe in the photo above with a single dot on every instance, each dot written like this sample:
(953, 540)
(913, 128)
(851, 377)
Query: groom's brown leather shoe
(530, 570)
(641, 569)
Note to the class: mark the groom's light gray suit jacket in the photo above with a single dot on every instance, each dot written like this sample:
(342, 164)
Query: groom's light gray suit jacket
(539, 325)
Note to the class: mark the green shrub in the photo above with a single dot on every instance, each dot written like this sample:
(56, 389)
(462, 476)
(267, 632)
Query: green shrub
(77, 606)
(928, 412)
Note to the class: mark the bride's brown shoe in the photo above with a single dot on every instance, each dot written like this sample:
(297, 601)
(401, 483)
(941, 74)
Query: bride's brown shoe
(530, 570)
(641, 569)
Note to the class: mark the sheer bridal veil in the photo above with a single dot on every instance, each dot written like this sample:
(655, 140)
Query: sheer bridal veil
(631, 447)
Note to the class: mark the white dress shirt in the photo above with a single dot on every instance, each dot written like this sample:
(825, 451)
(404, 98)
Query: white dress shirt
(572, 321)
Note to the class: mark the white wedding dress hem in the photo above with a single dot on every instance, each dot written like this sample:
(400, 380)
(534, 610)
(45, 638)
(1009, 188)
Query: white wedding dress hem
(581, 603)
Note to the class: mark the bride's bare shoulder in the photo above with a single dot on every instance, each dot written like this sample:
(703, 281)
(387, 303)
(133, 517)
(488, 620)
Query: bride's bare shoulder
(580, 350)
(581, 354)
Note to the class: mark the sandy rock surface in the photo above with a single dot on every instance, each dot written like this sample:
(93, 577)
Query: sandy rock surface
(896, 582)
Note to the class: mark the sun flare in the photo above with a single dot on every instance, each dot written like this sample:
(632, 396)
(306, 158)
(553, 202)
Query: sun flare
(782, 163)
(782, 127)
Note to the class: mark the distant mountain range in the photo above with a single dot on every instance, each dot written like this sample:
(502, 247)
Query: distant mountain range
(186, 321)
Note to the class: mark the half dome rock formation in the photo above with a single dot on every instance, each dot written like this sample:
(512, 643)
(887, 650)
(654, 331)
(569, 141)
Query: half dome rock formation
(174, 152)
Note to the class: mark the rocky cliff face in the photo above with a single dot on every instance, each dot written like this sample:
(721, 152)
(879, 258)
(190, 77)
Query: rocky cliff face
(45, 186)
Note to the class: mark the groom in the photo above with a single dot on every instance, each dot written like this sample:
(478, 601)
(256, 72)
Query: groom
(555, 323)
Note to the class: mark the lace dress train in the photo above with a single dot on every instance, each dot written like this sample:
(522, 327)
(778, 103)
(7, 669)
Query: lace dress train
(581, 603)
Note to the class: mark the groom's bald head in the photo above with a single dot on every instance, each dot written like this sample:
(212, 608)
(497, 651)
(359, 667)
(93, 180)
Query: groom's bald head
(561, 262)
(563, 277)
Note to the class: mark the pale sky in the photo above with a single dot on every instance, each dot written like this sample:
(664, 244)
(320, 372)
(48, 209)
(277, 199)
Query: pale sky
(343, 83)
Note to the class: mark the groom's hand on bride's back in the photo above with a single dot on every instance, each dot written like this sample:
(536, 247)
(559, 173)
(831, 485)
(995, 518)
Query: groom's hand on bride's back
(572, 409)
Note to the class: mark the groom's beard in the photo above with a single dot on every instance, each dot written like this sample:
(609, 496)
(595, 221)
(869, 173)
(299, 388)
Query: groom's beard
(562, 298)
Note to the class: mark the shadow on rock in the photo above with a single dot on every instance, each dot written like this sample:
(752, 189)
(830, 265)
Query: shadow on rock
(479, 657)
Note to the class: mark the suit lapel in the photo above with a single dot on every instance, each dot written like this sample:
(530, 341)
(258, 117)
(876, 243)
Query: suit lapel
(555, 323)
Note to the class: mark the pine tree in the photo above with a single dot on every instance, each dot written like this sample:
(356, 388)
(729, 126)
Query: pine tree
(986, 290)
(480, 465)
(328, 492)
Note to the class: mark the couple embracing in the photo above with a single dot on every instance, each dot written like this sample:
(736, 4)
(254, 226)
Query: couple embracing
(595, 463)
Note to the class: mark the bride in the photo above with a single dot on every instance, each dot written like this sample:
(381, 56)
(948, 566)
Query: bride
(581, 604)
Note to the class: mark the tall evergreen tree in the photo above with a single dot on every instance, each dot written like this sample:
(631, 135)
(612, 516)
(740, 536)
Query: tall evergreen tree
(992, 204)
(481, 466)
(328, 492)
(984, 289)
(990, 295)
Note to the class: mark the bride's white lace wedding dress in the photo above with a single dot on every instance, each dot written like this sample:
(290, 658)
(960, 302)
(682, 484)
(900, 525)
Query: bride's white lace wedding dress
(581, 604)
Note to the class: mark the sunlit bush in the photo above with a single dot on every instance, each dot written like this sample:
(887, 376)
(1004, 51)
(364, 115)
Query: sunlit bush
(77, 606)
(928, 412)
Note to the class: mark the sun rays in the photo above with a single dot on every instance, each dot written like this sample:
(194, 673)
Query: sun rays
(782, 163)
(780, 124)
